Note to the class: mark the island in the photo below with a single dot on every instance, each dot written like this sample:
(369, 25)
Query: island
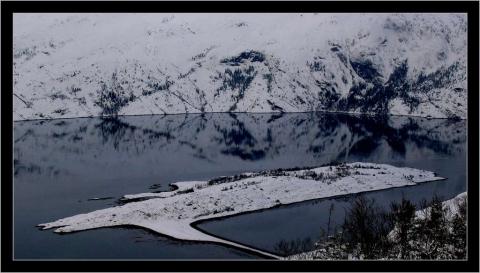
(174, 213)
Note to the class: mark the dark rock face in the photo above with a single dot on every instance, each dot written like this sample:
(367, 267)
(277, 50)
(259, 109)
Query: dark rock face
(365, 70)
(252, 56)
(372, 95)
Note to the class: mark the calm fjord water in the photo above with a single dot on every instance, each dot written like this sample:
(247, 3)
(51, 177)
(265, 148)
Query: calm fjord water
(60, 164)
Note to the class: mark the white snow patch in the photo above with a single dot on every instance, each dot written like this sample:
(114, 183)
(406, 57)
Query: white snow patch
(450, 205)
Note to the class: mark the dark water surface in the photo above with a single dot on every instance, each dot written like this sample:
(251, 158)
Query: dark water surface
(61, 164)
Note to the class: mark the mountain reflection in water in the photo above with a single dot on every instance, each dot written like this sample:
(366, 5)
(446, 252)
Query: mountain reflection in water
(216, 138)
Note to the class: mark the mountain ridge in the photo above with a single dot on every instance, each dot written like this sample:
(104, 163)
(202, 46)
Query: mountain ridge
(128, 64)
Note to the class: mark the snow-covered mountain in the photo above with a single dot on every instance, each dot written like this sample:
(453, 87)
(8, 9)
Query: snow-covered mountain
(72, 65)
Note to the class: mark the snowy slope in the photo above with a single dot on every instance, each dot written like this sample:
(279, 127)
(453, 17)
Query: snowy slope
(451, 207)
(71, 65)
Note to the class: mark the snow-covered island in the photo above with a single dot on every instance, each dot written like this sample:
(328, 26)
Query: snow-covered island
(174, 213)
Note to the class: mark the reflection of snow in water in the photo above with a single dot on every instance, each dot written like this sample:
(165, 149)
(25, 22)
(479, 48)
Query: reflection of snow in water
(305, 139)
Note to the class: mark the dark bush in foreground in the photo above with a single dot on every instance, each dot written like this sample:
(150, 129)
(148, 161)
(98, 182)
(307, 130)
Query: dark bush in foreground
(403, 232)
(285, 247)
(366, 229)
(403, 215)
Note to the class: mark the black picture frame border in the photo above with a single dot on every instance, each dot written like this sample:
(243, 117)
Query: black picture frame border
(7, 10)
